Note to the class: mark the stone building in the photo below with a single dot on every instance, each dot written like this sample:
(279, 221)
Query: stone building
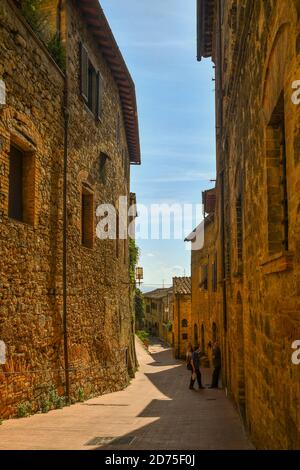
(256, 50)
(158, 313)
(182, 316)
(204, 278)
(67, 138)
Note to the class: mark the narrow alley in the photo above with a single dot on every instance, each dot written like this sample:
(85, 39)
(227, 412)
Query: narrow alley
(157, 411)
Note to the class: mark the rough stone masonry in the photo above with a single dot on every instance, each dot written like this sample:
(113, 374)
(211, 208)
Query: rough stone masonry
(32, 148)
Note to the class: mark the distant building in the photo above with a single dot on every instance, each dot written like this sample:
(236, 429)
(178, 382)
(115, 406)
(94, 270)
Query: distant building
(182, 315)
(204, 278)
(159, 313)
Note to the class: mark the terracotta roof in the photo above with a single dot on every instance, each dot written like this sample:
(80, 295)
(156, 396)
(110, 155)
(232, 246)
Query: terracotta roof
(182, 285)
(158, 293)
(205, 19)
(99, 27)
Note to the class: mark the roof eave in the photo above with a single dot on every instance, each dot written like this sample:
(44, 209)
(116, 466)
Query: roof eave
(99, 27)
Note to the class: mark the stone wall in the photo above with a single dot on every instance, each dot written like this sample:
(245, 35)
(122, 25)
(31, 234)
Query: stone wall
(182, 311)
(260, 50)
(206, 302)
(100, 332)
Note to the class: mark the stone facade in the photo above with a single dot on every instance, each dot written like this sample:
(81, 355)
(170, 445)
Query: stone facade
(205, 279)
(159, 313)
(99, 314)
(182, 316)
(255, 46)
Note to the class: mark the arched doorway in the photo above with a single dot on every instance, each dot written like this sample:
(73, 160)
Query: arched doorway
(241, 383)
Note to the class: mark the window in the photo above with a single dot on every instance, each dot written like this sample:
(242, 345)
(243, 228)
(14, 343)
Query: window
(184, 323)
(148, 309)
(278, 224)
(184, 336)
(204, 277)
(21, 193)
(153, 306)
(91, 83)
(87, 218)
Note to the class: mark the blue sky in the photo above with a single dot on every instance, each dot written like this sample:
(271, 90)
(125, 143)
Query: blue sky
(175, 96)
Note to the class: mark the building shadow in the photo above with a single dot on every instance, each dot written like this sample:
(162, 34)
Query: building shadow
(184, 419)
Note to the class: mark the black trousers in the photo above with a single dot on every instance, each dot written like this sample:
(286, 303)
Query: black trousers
(215, 377)
(199, 379)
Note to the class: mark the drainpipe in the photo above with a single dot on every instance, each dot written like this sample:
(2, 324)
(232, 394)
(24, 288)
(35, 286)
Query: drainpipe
(65, 223)
(222, 175)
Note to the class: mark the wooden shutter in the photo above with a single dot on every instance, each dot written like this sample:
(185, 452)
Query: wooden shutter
(84, 73)
(15, 195)
(99, 95)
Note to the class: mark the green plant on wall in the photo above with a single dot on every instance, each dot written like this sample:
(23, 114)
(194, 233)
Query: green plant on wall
(39, 22)
(57, 51)
(134, 254)
(31, 10)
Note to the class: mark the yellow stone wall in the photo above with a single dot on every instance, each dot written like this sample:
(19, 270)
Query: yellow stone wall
(182, 311)
(260, 62)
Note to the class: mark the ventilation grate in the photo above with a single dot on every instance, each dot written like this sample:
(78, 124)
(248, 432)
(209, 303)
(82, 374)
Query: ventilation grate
(118, 441)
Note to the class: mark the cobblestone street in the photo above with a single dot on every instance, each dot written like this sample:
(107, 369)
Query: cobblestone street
(157, 411)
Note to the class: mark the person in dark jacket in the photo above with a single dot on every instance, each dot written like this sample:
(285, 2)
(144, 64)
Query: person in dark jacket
(196, 372)
(216, 357)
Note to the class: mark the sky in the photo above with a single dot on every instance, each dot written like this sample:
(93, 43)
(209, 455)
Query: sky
(175, 96)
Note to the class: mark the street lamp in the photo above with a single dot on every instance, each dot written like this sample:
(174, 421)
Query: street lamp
(139, 274)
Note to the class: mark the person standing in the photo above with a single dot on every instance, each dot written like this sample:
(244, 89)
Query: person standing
(216, 359)
(196, 372)
(188, 356)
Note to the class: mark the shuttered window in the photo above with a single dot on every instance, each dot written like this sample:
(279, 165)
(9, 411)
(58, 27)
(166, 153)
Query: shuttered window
(21, 192)
(15, 200)
(99, 95)
(91, 84)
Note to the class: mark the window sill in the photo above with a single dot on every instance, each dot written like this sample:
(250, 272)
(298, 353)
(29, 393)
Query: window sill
(21, 222)
(278, 263)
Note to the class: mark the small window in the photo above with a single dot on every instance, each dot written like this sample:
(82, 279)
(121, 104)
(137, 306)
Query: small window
(184, 336)
(204, 277)
(184, 323)
(87, 218)
(21, 193)
(278, 222)
(91, 83)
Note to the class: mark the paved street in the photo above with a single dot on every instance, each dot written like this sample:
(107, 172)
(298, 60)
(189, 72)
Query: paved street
(157, 411)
